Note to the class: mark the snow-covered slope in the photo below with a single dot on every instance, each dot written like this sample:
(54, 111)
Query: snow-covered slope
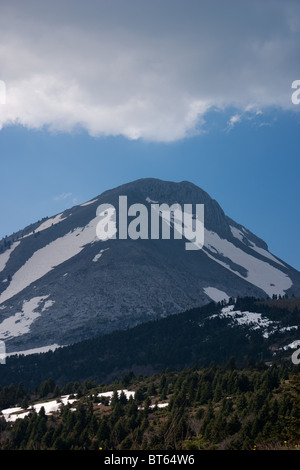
(259, 272)
(59, 283)
(49, 256)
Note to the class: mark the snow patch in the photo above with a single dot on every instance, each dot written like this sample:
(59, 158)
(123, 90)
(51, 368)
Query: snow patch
(50, 256)
(152, 407)
(159, 405)
(46, 224)
(215, 294)
(11, 414)
(128, 395)
(48, 304)
(240, 236)
(4, 257)
(151, 201)
(109, 394)
(237, 233)
(292, 345)
(49, 222)
(254, 320)
(265, 253)
(259, 273)
(88, 203)
(98, 256)
(19, 324)
(251, 318)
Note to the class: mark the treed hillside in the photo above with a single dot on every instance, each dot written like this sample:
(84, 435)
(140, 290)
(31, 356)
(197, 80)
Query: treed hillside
(213, 407)
(193, 338)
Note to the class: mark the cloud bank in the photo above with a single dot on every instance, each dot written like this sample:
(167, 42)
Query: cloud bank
(141, 69)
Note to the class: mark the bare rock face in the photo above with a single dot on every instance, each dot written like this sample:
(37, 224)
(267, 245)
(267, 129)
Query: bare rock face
(59, 283)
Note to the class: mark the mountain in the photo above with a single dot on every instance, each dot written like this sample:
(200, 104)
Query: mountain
(61, 284)
(249, 330)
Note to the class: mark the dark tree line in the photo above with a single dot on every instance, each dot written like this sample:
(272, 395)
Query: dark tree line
(209, 408)
(176, 342)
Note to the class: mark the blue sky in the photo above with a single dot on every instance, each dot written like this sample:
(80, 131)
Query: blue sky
(109, 95)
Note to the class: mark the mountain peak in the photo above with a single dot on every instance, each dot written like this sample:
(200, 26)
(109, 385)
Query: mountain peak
(60, 284)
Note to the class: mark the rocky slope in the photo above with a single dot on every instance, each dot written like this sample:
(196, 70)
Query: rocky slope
(60, 284)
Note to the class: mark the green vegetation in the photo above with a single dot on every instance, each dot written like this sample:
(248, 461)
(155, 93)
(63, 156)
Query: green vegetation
(226, 386)
(215, 407)
(194, 338)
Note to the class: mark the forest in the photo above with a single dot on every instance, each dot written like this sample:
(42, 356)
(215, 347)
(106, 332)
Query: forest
(194, 338)
(210, 408)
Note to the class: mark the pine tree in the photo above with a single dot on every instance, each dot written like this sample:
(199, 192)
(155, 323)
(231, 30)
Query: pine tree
(233, 425)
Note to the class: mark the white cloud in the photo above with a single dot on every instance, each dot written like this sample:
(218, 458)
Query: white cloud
(144, 69)
(234, 120)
